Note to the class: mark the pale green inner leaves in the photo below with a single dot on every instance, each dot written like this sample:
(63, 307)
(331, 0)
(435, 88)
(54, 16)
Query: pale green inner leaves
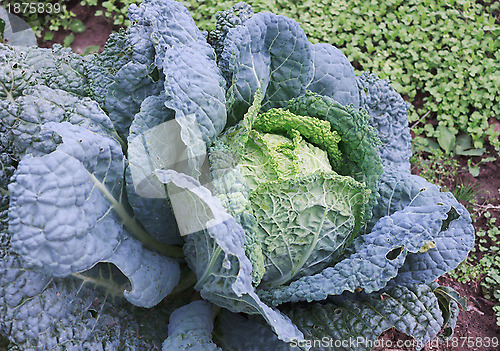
(276, 157)
(306, 223)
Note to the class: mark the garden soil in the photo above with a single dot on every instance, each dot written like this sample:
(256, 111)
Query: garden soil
(97, 30)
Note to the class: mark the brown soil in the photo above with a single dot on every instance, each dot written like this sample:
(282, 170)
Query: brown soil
(98, 29)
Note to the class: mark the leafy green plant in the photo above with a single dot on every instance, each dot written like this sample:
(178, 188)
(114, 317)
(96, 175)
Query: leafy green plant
(447, 146)
(466, 192)
(91, 49)
(250, 185)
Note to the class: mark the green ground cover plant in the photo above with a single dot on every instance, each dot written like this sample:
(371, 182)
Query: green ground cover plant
(483, 263)
(443, 55)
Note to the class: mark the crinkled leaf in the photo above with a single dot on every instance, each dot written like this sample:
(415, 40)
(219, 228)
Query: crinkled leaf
(448, 248)
(56, 214)
(234, 330)
(388, 114)
(403, 241)
(293, 227)
(132, 84)
(214, 251)
(190, 328)
(126, 66)
(102, 68)
(195, 91)
(358, 143)
(333, 75)
(360, 319)
(134, 45)
(446, 251)
(38, 312)
(57, 221)
(193, 85)
(24, 118)
(230, 186)
(64, 216)
(148, 151)
(60, 68)
(139, 36)
(15, 73)
(399, 189)
(125, 73)
(169, 24)
(237, 15)
(269, 52)
(306, 223)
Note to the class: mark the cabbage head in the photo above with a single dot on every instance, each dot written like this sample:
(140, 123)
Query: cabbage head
(237, 190)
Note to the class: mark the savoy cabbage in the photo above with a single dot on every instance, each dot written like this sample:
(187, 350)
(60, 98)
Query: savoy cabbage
(241, 190)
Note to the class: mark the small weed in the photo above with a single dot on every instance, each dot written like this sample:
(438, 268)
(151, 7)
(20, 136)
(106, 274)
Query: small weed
(465, 191)
(436, 167)
(487, 267)
(467, 271)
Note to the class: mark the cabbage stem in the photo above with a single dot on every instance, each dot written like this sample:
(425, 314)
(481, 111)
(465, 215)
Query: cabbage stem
(135, 228)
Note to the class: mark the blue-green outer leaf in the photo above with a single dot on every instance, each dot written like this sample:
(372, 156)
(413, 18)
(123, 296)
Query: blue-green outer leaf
(64, 215)
(193, 85)
(333, 75)
(269, 52)
(25, 117)
(169, 24)
(38, 312)
(356, 321)
(58, 222)
(190, 328)
(132, 84)
(389, 115)
(152, 209)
